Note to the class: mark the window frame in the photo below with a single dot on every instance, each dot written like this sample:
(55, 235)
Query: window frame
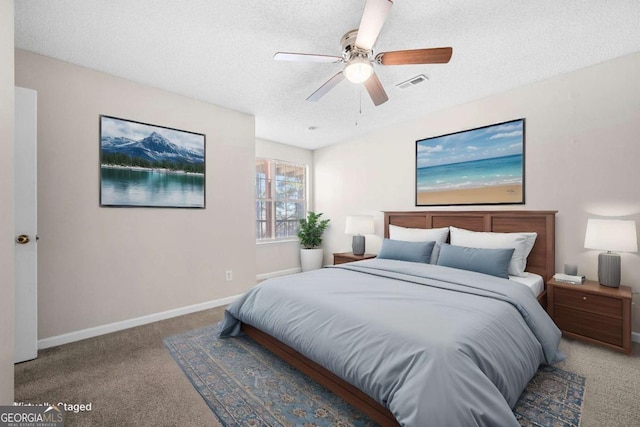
(271, 200)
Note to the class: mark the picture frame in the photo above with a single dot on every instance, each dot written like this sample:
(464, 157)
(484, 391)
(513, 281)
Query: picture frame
(479, 166)
(146, 165)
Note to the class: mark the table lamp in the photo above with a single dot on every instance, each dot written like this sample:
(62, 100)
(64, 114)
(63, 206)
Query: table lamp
(610, 235)
(358, 225)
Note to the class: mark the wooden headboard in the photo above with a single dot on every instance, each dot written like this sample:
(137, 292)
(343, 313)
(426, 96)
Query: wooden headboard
(541, 260)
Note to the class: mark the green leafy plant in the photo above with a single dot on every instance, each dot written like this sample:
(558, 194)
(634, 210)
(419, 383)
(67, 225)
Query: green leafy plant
(311, 229)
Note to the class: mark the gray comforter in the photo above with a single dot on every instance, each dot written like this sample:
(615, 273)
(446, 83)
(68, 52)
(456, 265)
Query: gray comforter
(437, 346)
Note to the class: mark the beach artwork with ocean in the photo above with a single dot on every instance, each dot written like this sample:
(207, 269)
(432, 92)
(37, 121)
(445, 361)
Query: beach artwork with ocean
(477, 166)
(150, 166)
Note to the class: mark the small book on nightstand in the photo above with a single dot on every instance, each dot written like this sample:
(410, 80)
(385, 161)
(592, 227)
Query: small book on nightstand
(566, 278)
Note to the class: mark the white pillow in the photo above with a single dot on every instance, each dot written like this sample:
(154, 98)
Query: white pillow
(438, 235)
(521, 242)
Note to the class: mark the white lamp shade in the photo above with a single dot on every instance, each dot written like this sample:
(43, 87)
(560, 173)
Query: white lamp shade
(359, 224)
(611, 235)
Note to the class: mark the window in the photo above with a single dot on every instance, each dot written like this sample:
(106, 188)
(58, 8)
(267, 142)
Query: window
(280, 198)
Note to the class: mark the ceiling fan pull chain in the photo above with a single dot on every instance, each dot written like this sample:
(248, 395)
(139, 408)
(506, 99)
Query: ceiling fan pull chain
(357, 96)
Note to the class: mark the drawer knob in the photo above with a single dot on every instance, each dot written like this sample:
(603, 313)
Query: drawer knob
(584, 298)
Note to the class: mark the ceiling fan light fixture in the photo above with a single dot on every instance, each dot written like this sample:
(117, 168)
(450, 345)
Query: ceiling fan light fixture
(358, 70)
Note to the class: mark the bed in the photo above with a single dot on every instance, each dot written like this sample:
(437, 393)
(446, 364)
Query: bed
(411, 343)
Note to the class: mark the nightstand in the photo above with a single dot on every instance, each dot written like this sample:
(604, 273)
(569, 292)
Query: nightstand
(591, 312)
(342, 257)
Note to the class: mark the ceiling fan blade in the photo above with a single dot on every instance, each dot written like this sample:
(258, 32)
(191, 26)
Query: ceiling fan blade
(375, 89)
(305, 57)
(373, 17)
(329, 84)
(438, 55)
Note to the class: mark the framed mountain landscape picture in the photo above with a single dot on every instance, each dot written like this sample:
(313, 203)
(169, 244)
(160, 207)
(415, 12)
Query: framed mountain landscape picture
(148, 165)
(482, 166)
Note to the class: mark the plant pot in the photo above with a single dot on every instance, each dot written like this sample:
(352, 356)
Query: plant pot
(311, 259)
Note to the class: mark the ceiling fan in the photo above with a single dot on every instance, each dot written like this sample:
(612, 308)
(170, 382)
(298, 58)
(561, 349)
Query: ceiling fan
(357, 55)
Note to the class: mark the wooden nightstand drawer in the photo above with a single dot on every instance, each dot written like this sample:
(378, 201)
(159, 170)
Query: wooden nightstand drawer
(591, 312)
(601, 328)
(341, 260)
(606, 306)
(344, 257)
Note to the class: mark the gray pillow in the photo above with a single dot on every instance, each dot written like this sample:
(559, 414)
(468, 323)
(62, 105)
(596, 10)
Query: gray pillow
(406, 251)
(488, 261)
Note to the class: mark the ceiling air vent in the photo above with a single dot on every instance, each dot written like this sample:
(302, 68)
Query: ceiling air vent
(412, 81)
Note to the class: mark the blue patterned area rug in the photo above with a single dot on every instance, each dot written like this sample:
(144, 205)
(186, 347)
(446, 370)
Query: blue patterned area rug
(246, 385)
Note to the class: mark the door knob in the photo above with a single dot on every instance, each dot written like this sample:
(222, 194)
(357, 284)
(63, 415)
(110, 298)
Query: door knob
(23, 239)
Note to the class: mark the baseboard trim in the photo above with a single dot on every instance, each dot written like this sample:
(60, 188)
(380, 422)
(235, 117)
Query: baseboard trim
(635, 337)
(278, 273)
(126, 324)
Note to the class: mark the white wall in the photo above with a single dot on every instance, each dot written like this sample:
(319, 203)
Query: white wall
(582, 152)
(102, 265)
(7, 108)
(281, 257)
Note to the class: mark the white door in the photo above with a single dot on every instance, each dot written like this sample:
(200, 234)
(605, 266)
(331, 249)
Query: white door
(26, 253)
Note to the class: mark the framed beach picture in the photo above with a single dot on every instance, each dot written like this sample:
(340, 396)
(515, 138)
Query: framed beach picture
(148, 165)
(482, 166)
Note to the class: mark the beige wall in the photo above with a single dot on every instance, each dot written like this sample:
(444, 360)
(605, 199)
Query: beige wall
(582, 151)
(281, 257)
(103, 265)
(6, 201)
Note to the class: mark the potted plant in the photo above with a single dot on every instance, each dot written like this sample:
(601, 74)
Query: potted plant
(310, 235)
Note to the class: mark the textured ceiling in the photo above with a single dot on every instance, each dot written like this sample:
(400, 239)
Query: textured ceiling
(221, 52)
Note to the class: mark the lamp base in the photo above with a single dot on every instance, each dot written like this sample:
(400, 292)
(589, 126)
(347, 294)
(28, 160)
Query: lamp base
(357, 245)
(609, 269)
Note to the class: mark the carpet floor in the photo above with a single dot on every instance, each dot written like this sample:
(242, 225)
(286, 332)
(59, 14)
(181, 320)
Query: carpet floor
(130, 379)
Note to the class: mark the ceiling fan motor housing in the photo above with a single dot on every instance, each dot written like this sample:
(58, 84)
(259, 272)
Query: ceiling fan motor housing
(349, 48)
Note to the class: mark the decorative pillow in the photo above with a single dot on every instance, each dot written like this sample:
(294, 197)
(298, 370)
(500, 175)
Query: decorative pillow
(488, 261)
(406, 251)
(438, 235)
(522, 243)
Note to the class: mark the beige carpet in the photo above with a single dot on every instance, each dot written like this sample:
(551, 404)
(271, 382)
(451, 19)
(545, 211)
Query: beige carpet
(131, 380)
(612, 395)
